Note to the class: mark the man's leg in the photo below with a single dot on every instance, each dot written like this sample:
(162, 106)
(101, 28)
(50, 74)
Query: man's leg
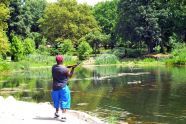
(55, 98)
(66, 100)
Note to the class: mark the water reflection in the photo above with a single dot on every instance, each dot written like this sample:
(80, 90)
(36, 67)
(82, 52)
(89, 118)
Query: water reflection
(137, 95)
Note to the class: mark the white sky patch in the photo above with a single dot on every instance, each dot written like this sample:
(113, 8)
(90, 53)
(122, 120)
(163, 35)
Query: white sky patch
(89, 2)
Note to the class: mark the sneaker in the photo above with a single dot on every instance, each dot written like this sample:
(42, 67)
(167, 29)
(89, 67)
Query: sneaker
(56, 115)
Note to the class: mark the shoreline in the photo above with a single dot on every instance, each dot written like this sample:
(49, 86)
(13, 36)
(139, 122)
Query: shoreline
(20, 112)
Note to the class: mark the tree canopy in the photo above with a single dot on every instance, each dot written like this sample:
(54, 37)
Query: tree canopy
(67, 20)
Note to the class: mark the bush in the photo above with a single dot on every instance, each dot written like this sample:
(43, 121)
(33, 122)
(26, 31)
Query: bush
(43, 50)
(17, 48)
(67, 47)
(84, 50)
(106, 59)
(29, 46)
(179, 57)
(119, 52)
(133, 53)
(4, 66)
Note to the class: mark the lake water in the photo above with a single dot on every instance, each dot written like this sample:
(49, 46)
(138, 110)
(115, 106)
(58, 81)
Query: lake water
(143, 95)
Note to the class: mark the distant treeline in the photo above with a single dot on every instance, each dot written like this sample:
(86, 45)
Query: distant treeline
(65, 26)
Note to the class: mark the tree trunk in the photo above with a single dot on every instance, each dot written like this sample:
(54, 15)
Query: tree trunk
(150, 48)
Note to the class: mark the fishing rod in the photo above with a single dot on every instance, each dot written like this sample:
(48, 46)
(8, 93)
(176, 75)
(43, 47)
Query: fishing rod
(70, 66)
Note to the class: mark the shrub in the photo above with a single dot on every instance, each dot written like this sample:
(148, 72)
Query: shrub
(4, 66)
(67, 47)
(119, 52)
(133, 53)
(106, 59)
(84, 50)
(17, 48)
(29, 46)
(43, 50)
(179, 57)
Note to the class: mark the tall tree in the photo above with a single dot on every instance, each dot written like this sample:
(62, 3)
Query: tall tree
(139, 22)
(172, 19)
(106, 13)
(24, 16)
(67, 20)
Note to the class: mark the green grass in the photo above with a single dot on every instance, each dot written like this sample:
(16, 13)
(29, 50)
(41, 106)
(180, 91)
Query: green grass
(106, 59)
(34, 61)
(179, 57)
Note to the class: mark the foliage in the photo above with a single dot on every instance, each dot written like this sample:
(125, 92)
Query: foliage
(29, 46)
(134, 53)
(43, 50)
(66, 19)
(69, 60)
(106, 14)
(67, 47)
(179, 57)
(119, 52)
(4, 44)
(149, 60)
(96, 39)
(175, 42)
(43, 60)
(139, 22)
(152, 22)
(106, 59)
(4, 15)
(4, 66)
(24, 16)
(36, 7)
(17, 48)
(84, 50)
(38, 38)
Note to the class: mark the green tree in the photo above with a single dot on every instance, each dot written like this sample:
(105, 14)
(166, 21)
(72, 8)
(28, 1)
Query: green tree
(66, 19)
(4, 44)
(24, 16)
(67, 47)
(29, 46)
(17, 48)
(139, 22)
(96, 39)
(172, 19)
(20, 18)
(4, 15)
(106, 13)
(84, 50)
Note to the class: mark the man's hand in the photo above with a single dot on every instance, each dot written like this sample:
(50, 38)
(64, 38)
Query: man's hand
(73, 66)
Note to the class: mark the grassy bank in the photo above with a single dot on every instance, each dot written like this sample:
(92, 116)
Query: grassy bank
(33, 61)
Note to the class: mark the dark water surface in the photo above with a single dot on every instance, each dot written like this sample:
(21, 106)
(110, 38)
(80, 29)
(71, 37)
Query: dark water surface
(143, 95)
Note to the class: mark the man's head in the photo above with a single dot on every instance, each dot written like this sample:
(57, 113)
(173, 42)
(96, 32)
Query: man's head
(59, 59)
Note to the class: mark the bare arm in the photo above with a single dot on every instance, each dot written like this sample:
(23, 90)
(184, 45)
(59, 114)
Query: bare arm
(71, 72)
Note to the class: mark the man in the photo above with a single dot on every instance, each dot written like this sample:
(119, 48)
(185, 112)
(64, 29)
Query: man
(61, 93)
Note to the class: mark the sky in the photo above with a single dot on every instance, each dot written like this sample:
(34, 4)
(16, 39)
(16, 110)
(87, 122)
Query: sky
(89, 2)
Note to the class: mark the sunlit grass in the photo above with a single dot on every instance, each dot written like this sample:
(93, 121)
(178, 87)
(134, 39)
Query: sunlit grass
(106, 59)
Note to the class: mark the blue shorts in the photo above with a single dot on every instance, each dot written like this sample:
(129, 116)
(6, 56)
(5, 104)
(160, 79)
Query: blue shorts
(61, 98)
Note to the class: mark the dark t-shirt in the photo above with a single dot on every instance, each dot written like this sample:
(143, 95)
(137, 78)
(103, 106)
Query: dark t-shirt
(60, 78)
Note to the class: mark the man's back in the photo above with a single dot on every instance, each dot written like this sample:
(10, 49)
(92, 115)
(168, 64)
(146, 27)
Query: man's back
(60, 78)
